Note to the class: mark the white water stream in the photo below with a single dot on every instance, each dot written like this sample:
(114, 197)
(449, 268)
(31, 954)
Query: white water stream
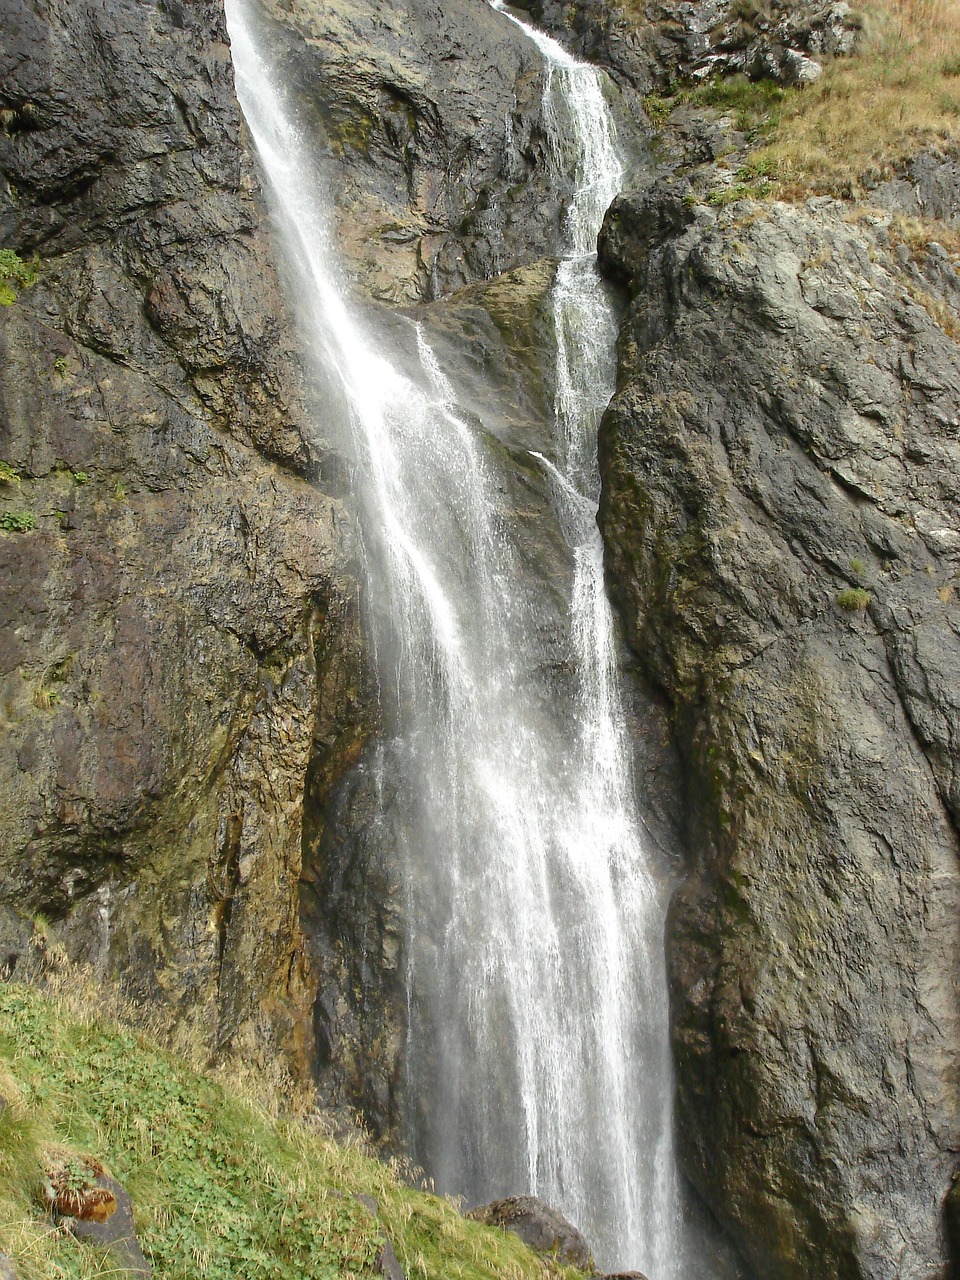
(537, 1055)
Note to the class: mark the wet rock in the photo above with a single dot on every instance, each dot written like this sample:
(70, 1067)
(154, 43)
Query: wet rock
(779, 497)
(541, 1228)
(427, 121)
(117, 1233)
(7, 1270)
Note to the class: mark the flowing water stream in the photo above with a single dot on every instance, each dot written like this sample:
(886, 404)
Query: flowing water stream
(537, 1053)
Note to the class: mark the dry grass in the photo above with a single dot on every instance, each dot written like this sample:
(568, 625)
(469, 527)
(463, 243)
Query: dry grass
(868, 113)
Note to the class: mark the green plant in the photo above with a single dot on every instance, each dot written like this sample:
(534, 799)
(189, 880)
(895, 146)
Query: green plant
(221, 1188)
(757, 166)
(739, 191)
(120, 491)
(853, 599)
(46, 695)
(80, 477)
(8, 474)
(17, 521)
(15, 274)
(858, 567)
(658, 108)
(60, 366)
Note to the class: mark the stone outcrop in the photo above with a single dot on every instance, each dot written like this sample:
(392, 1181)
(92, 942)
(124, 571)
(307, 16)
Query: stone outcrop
(651, 47)
(541, 1228)
(783, 527)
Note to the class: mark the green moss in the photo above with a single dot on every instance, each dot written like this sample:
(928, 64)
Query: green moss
(352, 132)
(8, 474)
(220, 1188)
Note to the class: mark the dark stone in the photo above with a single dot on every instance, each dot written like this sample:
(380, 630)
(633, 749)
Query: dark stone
(117, 1234)
(164, 639)
(7, 1270)
(387, 1262)
(541, 1228)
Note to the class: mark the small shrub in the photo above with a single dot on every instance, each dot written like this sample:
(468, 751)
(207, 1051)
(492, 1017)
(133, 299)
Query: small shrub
(60, 366)
(17, 521)
(80, 477)
(858, 567)
(854, 599)
(15, 274)
(658, 108)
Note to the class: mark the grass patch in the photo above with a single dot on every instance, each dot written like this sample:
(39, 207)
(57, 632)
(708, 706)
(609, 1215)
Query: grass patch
(865, 115)
(871, 112)
(854, 599)
(222, 1188)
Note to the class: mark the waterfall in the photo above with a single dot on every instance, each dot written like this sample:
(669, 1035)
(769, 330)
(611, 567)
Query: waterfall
(537, 1056)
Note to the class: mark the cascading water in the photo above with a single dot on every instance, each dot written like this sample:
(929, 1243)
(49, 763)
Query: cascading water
(537, 1050)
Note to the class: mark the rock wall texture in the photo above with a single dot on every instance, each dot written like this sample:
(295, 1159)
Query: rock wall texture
(183, 610)
(782, 518)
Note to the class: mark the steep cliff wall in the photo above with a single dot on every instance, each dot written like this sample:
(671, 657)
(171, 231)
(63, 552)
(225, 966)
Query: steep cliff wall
(183, 606)
(783, 526)
(188, 765)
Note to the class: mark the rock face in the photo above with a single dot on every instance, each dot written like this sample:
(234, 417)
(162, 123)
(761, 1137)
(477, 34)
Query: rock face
(542, 1228)
(782, 516)
(184, 597)
(648, 47)
(188, 760)
(427, 118)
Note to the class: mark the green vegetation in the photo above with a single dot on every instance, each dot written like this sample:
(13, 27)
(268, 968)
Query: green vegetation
(15, 274)
(865, 115)
(8, 474)
(80, 477)
(853, 599)
(47, 695)
(739, 191)
(17, 521)
(221, 1187)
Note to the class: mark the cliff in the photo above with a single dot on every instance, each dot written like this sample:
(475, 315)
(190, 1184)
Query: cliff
(187, 778)
(183, 609)
(781, 517)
